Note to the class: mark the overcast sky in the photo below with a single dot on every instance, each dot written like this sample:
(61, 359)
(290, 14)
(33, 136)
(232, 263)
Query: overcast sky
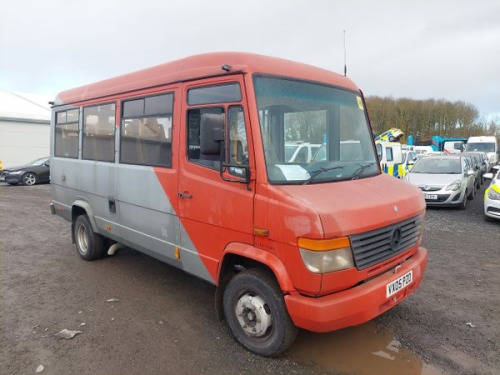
(414, 48)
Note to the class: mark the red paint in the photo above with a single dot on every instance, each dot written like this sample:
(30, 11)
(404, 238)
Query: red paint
(356, 305)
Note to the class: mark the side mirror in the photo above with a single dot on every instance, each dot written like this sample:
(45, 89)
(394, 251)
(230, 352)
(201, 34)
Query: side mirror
(470, 172)
(241, 173)
(488, 176)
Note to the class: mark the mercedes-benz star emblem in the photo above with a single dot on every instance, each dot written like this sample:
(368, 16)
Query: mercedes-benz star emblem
(396, 238)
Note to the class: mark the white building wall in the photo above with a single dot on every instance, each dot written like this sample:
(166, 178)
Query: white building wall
(22, 142)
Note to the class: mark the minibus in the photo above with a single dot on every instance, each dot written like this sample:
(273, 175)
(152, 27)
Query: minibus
(185, 162)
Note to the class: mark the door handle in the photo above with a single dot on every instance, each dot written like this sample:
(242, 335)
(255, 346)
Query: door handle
(185, 195)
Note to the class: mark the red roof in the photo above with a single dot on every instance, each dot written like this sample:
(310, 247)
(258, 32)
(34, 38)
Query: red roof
(204, 65)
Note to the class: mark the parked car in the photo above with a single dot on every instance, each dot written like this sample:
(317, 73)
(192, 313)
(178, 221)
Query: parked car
(492, 196)
(444, 180)
(300, 152)
(484, 162)
(475, 166)
(37, 171)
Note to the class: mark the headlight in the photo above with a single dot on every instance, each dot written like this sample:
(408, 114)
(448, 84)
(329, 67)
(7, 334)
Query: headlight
(321, 256)
(492, 194)
(15, 172)
(454, 186)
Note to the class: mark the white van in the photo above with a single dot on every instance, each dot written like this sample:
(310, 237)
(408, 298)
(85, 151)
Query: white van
(486, 144)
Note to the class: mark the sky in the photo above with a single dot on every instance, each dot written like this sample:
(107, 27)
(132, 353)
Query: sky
(419, 49)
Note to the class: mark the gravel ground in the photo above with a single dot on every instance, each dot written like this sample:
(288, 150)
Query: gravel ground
(164, 321)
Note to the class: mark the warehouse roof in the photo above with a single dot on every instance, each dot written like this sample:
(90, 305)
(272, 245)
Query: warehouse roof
(19, 107)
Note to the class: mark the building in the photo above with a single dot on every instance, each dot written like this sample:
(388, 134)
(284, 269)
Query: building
(24, 128)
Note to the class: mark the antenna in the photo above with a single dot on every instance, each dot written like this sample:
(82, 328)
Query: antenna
(345, 57)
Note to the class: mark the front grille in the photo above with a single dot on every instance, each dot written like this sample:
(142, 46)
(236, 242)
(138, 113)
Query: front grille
(373, 247)
(430, 188)
(493, 210)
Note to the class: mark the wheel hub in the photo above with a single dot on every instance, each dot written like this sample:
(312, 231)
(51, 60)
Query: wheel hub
(252, 314)
(82, 238)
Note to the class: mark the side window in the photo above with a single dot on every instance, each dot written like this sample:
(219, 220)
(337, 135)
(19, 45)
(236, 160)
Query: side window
(99, 132)
(226, 93)
(379, 151)
(205, 134)
(238, 143)
(388, 151)
(66, 133)
(146, 131)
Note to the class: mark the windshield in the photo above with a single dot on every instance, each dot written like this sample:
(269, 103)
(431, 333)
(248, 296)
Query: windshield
(482, 146)
(313, 133)
(437, 166)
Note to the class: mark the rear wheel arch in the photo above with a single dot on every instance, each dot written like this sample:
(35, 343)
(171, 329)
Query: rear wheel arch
(81, 208)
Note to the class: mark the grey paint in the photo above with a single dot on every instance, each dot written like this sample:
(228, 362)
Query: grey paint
(144, 220)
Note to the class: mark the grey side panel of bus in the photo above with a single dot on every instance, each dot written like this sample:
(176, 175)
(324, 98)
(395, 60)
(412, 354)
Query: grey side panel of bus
(149, 221)
(144, 220)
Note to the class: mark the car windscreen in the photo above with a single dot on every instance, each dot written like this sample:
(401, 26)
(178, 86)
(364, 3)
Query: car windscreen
(294, 112)
(437, 166)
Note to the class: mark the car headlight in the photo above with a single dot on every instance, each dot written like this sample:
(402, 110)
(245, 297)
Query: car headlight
(321, 256)
(15, 172)
(454, 186)
(492, 194)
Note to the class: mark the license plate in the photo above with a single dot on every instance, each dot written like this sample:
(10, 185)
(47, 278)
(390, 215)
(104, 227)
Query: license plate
(399, 284)
(431, 196)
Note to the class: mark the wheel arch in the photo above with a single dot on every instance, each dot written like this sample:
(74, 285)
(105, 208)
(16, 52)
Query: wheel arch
(78, 208)
(239, 256)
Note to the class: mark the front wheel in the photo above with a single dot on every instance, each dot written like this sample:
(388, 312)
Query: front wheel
(29, 179)
(256, 313)
(90, 245)
(463, 204)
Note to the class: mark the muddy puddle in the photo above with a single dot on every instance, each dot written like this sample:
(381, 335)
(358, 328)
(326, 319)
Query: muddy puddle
(358, 350)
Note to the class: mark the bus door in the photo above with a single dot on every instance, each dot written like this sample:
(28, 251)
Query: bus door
(215, 207)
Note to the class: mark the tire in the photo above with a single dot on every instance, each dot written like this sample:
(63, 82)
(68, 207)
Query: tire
(257, 295)
(29, 179)
(90, 245)
(463, 205)
(472, 193)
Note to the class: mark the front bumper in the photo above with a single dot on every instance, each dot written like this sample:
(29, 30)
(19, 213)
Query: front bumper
(491, 206)
(356, 305)
(12, 179)
(444, 198)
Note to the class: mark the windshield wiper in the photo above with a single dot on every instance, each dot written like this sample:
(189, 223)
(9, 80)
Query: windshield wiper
(360, 170)
(313, 174)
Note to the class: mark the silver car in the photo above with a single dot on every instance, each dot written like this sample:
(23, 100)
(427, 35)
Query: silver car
(444, 180)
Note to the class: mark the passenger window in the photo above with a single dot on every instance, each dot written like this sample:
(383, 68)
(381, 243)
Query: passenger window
(146, 131)
(99, 132)
(388, 152)
(379, 151)
(205, 133)
(66, 140)
(238, 143)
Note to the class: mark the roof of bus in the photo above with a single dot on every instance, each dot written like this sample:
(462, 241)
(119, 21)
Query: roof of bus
(198, 66)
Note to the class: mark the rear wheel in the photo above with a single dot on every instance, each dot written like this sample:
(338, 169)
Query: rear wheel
(256, 313)
(29, 179)
(90, 245)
